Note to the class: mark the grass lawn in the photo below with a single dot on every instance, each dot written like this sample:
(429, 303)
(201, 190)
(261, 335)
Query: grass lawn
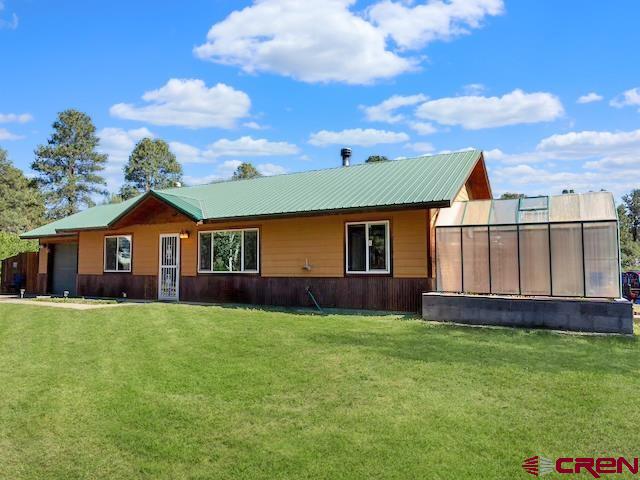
(175, 391)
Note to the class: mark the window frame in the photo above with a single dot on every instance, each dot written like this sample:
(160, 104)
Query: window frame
(242, 269)
(367, 270)
(104, 253)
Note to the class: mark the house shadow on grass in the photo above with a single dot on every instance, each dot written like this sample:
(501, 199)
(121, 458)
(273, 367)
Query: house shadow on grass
(532, 350)
(307, 311)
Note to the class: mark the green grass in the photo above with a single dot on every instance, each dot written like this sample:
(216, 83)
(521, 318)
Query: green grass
(173, 391)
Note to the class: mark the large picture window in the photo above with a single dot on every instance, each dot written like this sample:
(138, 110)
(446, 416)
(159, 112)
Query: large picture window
(368, 247)
(228, 251)
(117, 253)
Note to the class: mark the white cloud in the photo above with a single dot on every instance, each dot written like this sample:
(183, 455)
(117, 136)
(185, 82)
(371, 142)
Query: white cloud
(326, 41)
(11, 24)
(188, 103)
(312, 41)
(118, 143)
(269, 169)
(476, 112)
(629, 98)
(575, 145)
(189, 154)
(190, 180)
(599, 159)
(532, 180)
(385, 111)
(225, 170)
(473, 89)
(356, 136)
(254, 126)
(250, 147)
(514, 158)
(422, 128)
(15, 117)
(420, 147)
(413, 27)
(6, 135)
(599, 149)
(240, 147)
(589, 98)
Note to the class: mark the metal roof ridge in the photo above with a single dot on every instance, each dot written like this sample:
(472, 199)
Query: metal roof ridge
(316, 170)
(203, 209)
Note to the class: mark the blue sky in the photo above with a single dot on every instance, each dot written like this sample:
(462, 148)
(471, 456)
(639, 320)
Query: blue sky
(285, 84)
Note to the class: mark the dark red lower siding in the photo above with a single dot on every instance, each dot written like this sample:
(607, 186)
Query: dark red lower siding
(143, 287)
(43, 284)
(367, 293)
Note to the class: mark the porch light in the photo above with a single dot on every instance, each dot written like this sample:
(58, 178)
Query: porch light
(184, 234)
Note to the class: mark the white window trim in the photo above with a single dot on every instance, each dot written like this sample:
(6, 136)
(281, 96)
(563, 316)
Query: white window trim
(242, 270)
(104, 251)
(368, 271)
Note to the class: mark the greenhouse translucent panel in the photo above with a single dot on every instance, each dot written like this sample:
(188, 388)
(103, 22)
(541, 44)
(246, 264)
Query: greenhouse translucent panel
(601, 260)
(448, 260)
(475, 259)
(477, 213)
(564, 208)
(597, 206)
(566, 260)
(534, 203)
(451, 216)
(533, 216)
(504, 212)
(503, 242)
(535, 275)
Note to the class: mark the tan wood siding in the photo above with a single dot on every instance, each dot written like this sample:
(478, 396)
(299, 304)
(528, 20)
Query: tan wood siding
(463, 195)
(43, 258)
(410, 249)
(285, 245)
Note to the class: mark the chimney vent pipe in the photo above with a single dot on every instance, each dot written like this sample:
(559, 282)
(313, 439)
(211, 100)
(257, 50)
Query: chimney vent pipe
(345, 153)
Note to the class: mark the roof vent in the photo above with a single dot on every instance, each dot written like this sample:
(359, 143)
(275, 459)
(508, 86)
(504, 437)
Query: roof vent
(345, 153)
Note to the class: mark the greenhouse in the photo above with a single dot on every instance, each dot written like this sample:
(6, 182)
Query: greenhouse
(563, 245)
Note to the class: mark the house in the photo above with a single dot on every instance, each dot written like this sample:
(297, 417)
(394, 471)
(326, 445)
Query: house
(360, 236)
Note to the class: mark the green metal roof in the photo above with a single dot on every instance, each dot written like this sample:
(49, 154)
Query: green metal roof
(434, 179)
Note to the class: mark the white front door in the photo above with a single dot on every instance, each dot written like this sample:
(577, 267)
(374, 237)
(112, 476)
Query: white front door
(169, 275)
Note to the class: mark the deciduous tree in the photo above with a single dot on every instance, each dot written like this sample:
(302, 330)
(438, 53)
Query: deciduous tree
(511, 196)
(376, 158)
(245, 170)
(632, 206)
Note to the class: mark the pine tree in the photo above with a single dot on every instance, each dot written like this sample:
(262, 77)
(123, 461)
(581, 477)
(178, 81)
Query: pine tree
(21, 203)
(245, 170)
(151, 165)
(69, 166)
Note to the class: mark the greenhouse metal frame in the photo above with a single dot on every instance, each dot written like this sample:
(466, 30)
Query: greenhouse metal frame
(556, 246)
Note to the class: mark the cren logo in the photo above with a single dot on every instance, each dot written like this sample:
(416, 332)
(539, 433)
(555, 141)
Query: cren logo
(538, 465)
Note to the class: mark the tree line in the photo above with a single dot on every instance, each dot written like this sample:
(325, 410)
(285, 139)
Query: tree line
(69, 178)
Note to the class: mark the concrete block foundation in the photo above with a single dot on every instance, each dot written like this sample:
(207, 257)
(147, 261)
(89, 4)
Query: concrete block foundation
(577, 314)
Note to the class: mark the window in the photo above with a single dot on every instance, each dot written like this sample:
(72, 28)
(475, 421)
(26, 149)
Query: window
(228, 251)
(117, 253)
(368, 247)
